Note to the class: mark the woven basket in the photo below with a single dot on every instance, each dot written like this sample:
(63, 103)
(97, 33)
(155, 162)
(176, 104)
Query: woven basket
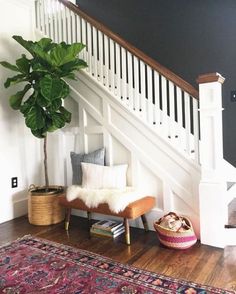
(176, 239)
(43, 207)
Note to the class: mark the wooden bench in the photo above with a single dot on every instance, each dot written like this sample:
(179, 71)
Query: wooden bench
(134, 210)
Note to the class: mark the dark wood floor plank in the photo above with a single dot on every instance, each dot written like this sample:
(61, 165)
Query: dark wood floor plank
(201, 264)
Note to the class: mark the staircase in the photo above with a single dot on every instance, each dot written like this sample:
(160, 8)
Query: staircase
(147, 116)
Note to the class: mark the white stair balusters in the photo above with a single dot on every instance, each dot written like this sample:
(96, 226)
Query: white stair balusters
(147, 89)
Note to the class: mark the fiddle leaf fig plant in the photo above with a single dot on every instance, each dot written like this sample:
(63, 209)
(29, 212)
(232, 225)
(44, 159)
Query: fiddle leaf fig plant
(43, 85)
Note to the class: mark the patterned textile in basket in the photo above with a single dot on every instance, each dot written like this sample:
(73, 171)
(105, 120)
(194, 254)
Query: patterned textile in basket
(175, 231)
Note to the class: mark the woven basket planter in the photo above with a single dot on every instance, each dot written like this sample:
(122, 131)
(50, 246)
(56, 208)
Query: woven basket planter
(43, 207)
(176, 239)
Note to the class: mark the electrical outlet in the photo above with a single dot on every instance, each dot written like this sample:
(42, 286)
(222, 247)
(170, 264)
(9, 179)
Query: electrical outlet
(233, 96)
(14, 182)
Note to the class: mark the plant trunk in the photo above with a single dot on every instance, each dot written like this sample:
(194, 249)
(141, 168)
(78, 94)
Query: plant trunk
(45, 162)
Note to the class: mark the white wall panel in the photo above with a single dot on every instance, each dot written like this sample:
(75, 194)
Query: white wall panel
(121, 155)
(93, 98)
(20, 152)
(91, 121)
(151, 184)
(95, 141)
(71, 105)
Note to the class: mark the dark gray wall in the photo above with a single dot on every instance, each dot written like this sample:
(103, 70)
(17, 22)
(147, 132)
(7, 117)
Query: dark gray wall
(190, 37)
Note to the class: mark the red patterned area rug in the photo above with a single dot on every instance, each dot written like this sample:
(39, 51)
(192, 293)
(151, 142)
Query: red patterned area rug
(34, 265)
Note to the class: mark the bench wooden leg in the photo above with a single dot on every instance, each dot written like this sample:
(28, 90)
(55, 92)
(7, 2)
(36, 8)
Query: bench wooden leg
(89, 215)
(127, 232)
(67, 220)
(89, 218)
(145, 224)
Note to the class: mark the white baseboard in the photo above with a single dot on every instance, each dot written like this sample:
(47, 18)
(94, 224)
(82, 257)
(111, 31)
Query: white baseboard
(14, 209)
(20, 208)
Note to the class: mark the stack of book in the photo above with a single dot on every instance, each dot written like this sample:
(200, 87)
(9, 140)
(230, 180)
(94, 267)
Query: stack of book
(107, 228)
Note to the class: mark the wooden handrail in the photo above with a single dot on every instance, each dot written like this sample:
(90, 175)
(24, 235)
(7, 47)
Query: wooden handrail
(135, 51)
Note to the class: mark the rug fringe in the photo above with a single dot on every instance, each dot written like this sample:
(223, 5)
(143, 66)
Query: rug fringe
(15, 240)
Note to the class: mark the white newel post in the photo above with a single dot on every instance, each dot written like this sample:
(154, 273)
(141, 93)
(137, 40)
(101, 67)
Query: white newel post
(212, 189)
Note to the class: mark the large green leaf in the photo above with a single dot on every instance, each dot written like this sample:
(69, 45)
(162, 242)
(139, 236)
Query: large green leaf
(40, 68)
(49, 125)
(28, 45)
(52, 128)
(75, 64)
(42, 101)
(26, 106)
(39, 133)
(9, 65)
(75, 48)
(64, 45)
(16, 100)
(81, 64)
(55, 105)
(51, 88)
(65, 89)
(66, 114)
(60, 55)
(39, 52)
(70, 76)
(44, 43)
(14, 80)
(34, 77)
(23, 64)
(35, 118)
(58, 119)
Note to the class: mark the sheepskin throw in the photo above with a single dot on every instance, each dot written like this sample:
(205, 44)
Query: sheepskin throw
(117, 199)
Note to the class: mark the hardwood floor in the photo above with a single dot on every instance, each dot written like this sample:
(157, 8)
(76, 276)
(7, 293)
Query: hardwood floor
(201, 264)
